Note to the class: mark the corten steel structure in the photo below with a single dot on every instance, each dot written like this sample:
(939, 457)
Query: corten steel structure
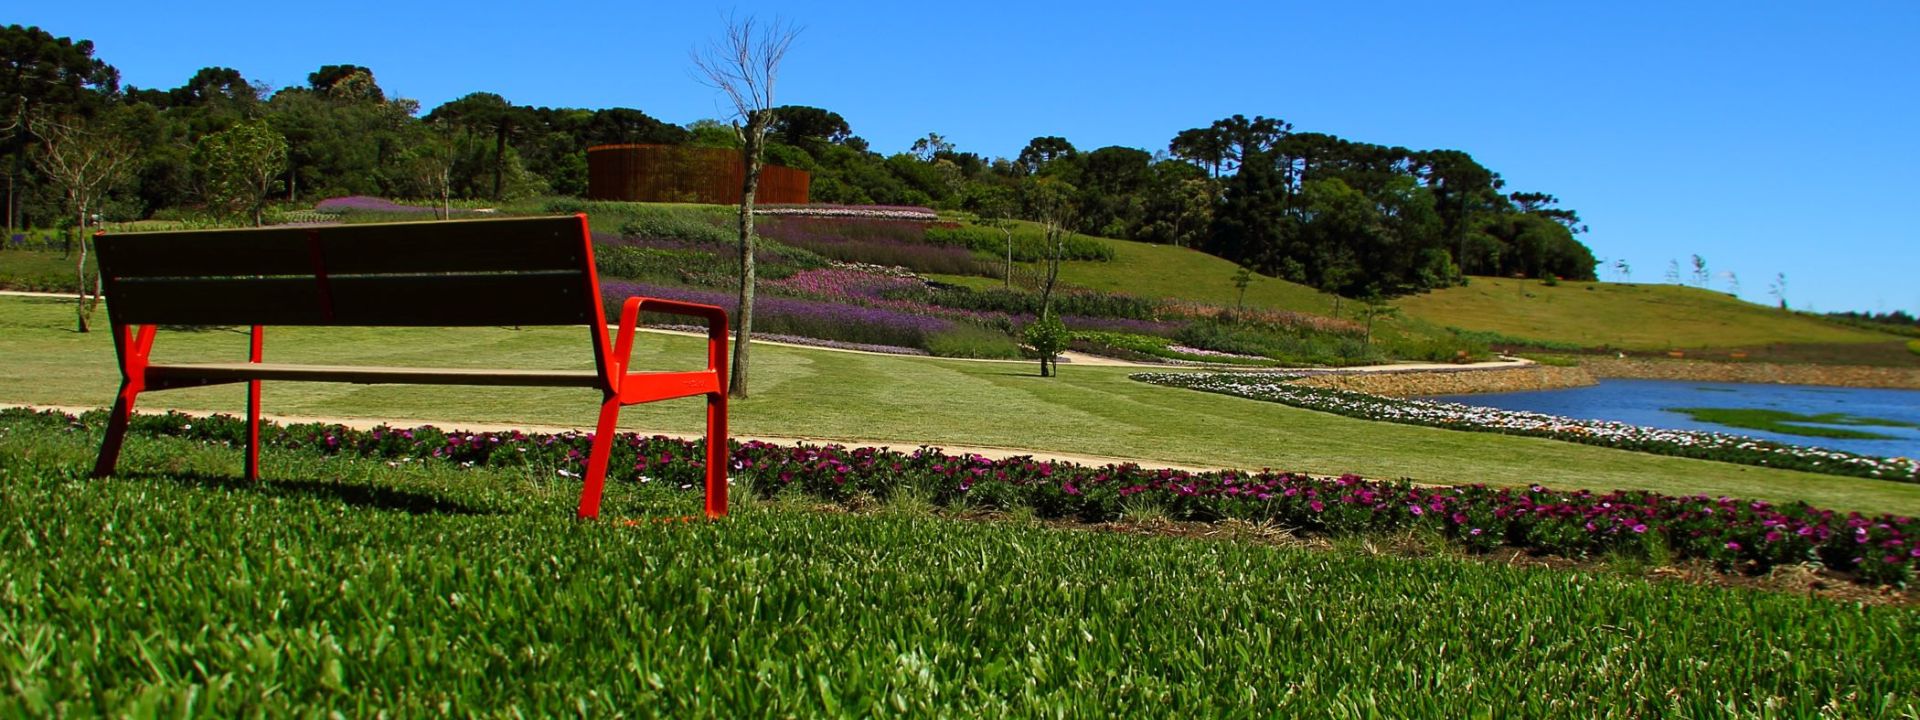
(461, 273)
(677, 173)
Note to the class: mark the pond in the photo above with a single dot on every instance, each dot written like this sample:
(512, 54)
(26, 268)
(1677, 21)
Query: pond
(1892, 414)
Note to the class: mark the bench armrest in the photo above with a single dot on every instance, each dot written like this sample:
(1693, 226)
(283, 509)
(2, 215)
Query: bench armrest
(630, 321)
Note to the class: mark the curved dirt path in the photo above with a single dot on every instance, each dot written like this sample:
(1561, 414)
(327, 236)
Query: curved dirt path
(361, 423)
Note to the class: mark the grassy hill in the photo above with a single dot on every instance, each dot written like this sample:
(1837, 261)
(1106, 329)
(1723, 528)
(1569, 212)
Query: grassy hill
(1627, 316)
(1631, 316)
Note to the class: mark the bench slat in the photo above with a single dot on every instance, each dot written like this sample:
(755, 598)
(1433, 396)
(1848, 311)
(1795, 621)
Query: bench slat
(373, 375)
(544, 298)
(515, 244)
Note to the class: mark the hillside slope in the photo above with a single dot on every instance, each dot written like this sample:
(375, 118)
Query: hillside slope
(1629, 316)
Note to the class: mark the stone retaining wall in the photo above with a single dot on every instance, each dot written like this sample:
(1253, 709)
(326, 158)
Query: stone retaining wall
(1754, 372)
(1418, 383)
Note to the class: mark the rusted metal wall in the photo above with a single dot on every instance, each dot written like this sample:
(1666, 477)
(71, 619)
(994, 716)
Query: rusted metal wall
(674, 173)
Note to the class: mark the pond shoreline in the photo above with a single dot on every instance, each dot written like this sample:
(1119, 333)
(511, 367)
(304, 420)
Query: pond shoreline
(1763, 373)
(1475, 381)
(1464, 381)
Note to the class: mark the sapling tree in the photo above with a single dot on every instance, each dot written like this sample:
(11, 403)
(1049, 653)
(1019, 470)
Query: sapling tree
(1375, 307)
(1778, 289)
(1673, 272)
(84, 159)
(1052, 201)
(743, 65)
(1700, 274)
(1241, 279)
(1621, 268)
(994, 208)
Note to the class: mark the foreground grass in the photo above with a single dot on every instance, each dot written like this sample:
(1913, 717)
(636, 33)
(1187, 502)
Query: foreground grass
(355, 586)
(884, 400)
(1630, 316)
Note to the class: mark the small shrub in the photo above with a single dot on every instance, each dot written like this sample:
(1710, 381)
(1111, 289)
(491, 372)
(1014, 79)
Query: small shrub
(1913, 346)
(1047, 336)
(664, 224)
(644, 263)
(1028, 244)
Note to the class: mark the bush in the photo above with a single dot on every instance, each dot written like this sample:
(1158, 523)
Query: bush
(663, 224)
(645, 263)
(1292, 347)
(1047, 336)
(1913, 346)
(966, 340)
(1028, 244)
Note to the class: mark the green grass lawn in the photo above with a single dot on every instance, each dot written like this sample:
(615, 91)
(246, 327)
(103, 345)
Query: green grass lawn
(350, 587)
(1637, 316)
(903, 402)
(39, 271)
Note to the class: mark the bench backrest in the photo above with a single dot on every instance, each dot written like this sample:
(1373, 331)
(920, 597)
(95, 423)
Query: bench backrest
(519, 271)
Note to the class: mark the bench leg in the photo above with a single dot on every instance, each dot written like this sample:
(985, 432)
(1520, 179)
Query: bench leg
(596, 476)
(253, 430)
(253, 408)
(116, 430)
(717, 456)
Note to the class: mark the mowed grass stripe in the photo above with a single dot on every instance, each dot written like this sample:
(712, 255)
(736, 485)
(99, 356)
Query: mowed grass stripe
(354, 586)
(898, 401)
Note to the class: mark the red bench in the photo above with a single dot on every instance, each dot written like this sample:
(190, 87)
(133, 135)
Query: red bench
(463, 273)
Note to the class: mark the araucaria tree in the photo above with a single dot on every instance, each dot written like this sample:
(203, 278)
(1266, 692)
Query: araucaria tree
(743, 64)
(83, 158)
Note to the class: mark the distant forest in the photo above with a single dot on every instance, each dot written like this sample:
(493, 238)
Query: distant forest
(1341, 215)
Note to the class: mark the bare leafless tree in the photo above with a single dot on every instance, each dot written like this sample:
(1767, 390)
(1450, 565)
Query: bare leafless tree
(84, 158)
(743, 64)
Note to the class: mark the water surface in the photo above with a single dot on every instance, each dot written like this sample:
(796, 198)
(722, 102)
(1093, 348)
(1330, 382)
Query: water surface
(1642, 402)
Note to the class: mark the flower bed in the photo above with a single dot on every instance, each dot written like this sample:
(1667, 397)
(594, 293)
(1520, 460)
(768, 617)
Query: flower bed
(1724, 447)
(1735, 534)
(795, 316)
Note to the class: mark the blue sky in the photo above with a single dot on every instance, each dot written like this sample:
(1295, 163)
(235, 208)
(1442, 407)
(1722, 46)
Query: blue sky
(1766, 137)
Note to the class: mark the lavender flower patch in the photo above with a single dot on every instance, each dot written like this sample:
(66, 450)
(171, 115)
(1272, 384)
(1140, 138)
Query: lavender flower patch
(795, 316)
(879, 242)
(808, 341)
(1125, 325)
(844, 282)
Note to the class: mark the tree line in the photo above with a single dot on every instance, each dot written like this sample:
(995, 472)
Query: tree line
(1345, 216)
